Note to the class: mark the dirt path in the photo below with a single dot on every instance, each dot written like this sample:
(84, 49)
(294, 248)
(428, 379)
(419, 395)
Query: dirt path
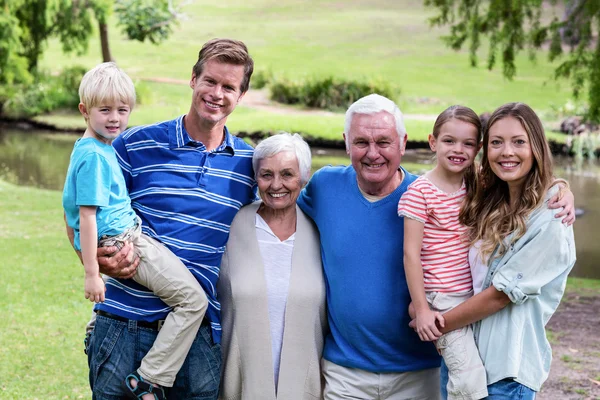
(259, 99)
(575, 340)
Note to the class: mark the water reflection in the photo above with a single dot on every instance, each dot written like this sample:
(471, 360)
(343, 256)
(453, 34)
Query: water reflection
(35, 159)
(41, 159)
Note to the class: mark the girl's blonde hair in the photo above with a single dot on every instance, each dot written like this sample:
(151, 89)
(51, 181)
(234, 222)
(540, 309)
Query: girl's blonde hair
(489, 215)
(464, 114)
(106, 83)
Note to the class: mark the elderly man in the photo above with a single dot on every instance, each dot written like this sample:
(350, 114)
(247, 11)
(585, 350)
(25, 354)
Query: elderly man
(371, 353)
(187, 178)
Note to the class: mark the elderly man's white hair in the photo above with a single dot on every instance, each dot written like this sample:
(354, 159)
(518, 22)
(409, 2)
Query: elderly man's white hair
(285, 142)
(373, 104)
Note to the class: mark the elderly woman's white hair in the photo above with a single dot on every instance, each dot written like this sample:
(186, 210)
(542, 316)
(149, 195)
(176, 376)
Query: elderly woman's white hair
(373, 104)
(284, 142)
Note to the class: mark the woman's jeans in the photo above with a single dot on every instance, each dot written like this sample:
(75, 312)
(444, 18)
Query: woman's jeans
(506, 389)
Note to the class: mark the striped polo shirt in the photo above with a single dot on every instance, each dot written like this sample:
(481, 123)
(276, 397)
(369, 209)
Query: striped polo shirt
(186, 197)
(444, 252)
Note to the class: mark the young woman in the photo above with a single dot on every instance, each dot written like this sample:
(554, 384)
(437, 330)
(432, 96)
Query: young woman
(522, 251)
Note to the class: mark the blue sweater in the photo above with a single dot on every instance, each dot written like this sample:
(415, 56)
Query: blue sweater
(362, 246)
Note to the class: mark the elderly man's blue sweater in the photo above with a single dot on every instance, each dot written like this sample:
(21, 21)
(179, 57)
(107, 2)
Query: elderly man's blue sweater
(367, 295)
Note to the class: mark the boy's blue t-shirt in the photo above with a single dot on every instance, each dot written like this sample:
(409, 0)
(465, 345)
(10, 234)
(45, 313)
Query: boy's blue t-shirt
(94, 178)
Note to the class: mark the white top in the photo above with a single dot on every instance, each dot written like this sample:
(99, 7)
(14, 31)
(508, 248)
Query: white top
(479, 267)
(277, 261)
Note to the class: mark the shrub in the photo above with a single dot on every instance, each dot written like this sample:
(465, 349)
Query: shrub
(260, 79)
(45, 94)
(287, 92)
(327, 93)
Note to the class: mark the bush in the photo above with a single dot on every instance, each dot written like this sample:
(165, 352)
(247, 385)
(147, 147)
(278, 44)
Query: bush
(260, 79)
(45, 94)
(327, 93)
(287, 92)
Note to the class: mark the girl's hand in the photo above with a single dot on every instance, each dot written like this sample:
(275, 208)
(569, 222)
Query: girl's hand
(94, 288)
(425, 325)
(567, 203)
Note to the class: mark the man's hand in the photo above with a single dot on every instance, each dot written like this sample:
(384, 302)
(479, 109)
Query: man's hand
(567, 203)
(117, 263)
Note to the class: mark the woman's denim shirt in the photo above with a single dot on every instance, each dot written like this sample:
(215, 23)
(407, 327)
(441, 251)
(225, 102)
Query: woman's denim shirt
(533, 274)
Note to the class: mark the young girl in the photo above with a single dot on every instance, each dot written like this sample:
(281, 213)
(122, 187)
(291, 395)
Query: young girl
(525, 255)
(435, 249)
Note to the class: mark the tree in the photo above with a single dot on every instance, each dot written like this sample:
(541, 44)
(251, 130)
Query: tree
(514, 25)
(26, 26)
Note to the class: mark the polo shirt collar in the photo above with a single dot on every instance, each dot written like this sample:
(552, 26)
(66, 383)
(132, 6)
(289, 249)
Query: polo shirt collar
(179, 137)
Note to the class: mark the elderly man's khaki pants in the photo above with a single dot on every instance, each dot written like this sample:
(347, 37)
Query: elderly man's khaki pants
(342, 383)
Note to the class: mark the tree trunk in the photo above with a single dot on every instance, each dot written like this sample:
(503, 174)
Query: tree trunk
(106, 56)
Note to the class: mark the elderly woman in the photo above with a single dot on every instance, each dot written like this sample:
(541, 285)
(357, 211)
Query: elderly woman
(271, 285)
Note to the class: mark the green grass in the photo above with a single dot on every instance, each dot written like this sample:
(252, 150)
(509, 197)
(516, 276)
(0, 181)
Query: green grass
(356, 39)
(41, 296)
(583, 284)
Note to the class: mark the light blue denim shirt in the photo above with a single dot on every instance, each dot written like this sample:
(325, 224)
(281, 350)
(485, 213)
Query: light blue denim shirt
(533, 274)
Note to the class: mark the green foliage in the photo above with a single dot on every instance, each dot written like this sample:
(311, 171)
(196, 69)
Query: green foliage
(46, 93)
(513, 26)
(13, 67)
(145, 19)
(143, 92)
(27, 25)
(585, 145)
(261, 78)
(327, 93)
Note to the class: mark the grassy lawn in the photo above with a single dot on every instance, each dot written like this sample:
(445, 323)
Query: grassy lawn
(44, 311)
(358, 39)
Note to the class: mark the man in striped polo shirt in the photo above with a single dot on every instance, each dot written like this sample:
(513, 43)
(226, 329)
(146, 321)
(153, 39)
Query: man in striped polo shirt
(187, 178)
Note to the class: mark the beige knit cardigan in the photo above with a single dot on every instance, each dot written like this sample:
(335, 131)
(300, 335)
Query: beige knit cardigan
(246, 341)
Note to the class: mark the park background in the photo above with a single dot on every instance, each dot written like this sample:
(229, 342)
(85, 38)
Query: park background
(388, 44)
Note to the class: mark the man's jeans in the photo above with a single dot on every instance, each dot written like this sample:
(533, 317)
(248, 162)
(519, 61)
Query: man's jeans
(506, 389)
(116, 349)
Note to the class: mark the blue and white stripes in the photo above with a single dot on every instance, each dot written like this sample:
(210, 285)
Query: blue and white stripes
(186, 197)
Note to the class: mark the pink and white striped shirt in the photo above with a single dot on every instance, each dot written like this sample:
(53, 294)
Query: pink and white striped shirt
(444, 253)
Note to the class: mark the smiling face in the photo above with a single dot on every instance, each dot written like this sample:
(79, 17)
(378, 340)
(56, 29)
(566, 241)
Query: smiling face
(279, 182)
(509, 151)
(456, 145)
(216, 93)
(106, 121)
(375, 151)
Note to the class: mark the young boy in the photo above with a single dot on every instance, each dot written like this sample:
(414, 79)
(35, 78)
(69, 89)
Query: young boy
(98, 208)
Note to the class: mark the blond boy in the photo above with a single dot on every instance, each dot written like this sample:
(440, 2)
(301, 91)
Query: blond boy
(98, 209)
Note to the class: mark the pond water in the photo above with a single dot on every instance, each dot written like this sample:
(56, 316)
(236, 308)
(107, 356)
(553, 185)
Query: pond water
(41, 159)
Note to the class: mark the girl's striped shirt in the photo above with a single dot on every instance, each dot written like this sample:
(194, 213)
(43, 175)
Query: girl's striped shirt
(444, 253)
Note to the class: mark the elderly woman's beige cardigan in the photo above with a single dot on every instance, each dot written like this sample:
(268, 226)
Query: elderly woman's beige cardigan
(246, 342)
